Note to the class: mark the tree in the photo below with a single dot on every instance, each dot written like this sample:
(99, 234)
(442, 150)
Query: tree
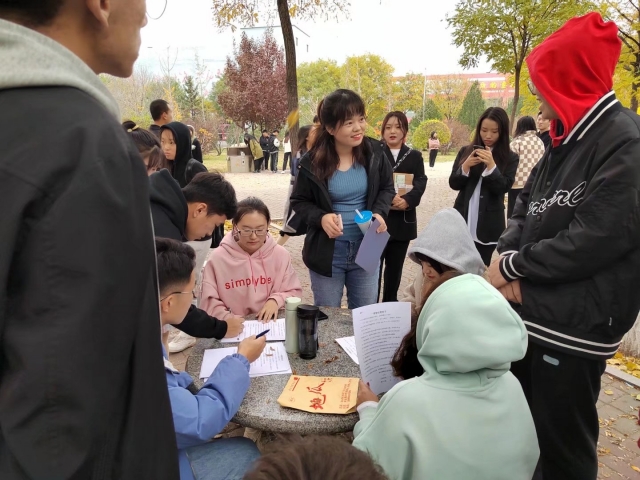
(505, 31)
(315, 81)
(472, 107)
(408, 93)
(460, 134)
(420, 138)
(256, 90)
(448, 92)
(372, 78)
(247, 12)
(626, 14)
(190, 101)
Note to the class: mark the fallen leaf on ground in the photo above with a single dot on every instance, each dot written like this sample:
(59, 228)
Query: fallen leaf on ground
(635, 468)
(609, 392)
(332, 359)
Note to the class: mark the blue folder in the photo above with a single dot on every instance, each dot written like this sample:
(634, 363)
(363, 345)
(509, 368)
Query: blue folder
(371, 248)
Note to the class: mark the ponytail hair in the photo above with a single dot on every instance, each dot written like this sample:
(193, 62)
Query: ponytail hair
(333, 111)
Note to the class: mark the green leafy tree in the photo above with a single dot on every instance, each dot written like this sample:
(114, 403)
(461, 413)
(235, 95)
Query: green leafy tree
(408, 93)
(315, 81)
(420, 138)
(472, 106)
(505, 31)
(372, 78)
(190, 101)
(448, 92)
(430, 111)
(626, 14)
(518, 108)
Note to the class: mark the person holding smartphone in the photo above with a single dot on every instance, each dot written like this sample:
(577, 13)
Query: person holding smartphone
(482, 174)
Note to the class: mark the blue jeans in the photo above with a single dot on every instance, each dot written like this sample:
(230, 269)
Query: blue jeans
(362, 287)
(223, 459)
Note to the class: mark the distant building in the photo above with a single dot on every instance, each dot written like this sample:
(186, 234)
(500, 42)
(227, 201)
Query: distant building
(495, 87)
(302, 40)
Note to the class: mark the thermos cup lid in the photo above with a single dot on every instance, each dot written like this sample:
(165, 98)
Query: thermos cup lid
(307, 310)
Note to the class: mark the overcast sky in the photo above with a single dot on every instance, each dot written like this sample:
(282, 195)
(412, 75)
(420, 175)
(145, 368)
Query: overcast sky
(407, 33)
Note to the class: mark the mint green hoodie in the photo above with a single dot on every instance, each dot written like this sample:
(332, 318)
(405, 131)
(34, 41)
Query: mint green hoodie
(466, 417)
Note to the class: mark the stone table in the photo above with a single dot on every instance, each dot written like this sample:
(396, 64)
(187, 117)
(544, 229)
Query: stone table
(260, 408)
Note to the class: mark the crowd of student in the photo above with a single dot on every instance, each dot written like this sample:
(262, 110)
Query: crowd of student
(484, 394)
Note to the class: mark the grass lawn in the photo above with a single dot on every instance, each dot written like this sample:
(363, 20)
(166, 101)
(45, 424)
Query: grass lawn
(213, 161)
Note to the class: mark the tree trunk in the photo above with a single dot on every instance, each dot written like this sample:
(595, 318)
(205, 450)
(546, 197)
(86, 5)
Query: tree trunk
(292, 75)
(516, 97)
(631, 341)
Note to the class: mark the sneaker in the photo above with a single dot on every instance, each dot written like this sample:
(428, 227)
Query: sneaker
(181, 342)
(283, 172)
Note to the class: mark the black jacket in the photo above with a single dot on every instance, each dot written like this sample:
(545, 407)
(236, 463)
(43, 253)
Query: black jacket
(83, 393)
(575, 234)
(546, 138)
(265, 143)
(403, 224)
(169, 210)
(196, 150)
(310, 200)
(491, 217)
(156, 129)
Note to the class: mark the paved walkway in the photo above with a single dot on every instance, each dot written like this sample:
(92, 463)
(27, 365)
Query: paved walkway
(618, 408)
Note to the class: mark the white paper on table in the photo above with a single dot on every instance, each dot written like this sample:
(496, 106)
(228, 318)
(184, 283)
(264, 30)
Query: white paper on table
(348, 344)
(273, 361)
(379, 330)
(277, 331)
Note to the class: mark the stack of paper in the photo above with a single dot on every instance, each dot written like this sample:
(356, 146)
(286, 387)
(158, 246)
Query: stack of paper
(273, 361)
(277, 330)
(348, 344)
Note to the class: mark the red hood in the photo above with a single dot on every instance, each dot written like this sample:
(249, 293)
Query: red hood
(573, 69)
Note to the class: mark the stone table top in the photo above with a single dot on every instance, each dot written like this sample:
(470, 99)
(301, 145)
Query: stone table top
(260, 408)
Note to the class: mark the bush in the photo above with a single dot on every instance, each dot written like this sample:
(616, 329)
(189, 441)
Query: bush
(420, 138)
(460, 135)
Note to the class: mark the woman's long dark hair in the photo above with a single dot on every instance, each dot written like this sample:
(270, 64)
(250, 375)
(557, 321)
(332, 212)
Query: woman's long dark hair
(524, 125)
(500, 151)
(405, 361)
(333, 111)
(303, 136)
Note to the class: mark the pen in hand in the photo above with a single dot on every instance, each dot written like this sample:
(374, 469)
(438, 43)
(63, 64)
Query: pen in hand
(263, 333)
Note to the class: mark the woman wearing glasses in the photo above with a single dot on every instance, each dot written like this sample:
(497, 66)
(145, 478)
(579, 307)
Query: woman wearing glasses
(249, 273)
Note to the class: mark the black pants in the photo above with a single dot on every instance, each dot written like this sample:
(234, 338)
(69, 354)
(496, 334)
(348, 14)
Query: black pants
(287, 157)
(265, 160)
(432, 157)
(274, 162)
(392, 261)
(485, 251)
(562, 391)
(511, 202)
(257, 165)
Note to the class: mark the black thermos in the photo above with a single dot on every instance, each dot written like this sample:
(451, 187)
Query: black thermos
(308, 331)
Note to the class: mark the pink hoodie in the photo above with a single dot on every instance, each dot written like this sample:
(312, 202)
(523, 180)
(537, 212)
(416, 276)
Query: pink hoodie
(237, 283)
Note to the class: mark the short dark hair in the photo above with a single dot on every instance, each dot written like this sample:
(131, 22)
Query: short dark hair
(265, 131)
(176, 262)
(212, 188)
(276, 131)
(250, 205)
(437, 266)
(315, 458)
(157, 108)
(33, 13)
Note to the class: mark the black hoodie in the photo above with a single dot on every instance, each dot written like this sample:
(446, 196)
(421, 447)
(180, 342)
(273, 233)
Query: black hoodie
(169, 211)
(182, 137)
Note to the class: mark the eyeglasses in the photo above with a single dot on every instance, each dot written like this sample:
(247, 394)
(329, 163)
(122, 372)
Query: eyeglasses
(260, 232)
(192, 293)
(532, 88)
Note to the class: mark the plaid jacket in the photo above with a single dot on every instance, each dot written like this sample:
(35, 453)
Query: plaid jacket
(530, 149)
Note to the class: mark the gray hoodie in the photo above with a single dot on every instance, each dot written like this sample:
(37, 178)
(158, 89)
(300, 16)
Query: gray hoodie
(446, 239)
(30, 59)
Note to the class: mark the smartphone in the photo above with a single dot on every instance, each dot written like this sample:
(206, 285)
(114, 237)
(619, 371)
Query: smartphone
(322, 315)
(477, 147)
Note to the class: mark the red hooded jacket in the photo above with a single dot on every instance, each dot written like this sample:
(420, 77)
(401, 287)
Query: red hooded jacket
(573, 69)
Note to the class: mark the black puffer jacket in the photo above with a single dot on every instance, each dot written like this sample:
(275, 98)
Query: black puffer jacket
(574, 237)
(310, 200)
